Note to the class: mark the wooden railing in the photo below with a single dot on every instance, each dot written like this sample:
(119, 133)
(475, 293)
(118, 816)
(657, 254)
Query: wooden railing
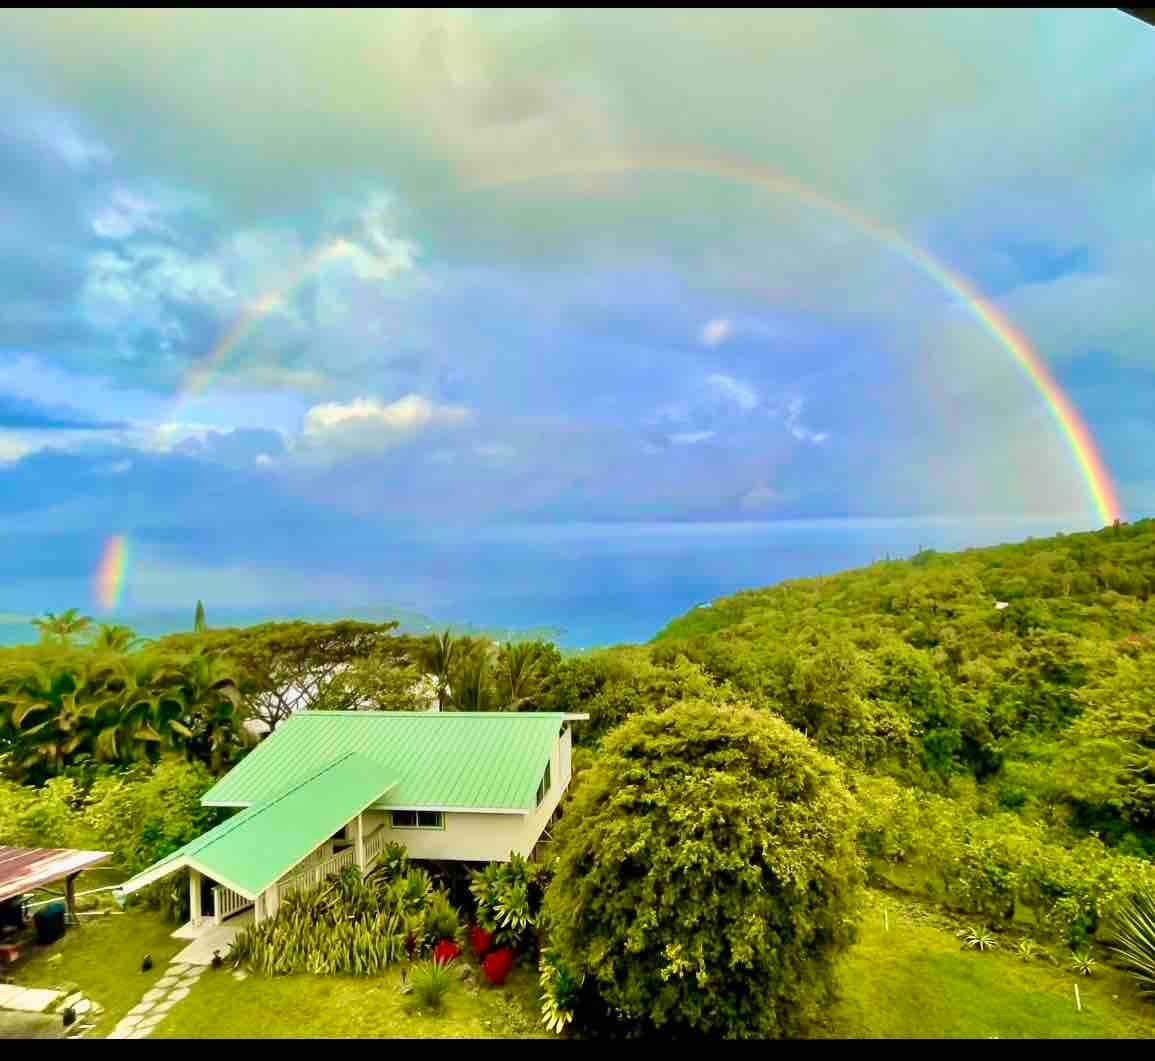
(316, 874)
(374, 844)
(227, 902)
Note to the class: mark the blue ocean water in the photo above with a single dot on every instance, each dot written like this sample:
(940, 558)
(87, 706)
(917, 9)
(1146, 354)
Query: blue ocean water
(584, 587)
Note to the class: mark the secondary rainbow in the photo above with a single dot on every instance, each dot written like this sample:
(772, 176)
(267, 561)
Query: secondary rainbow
(108, 582)
(1094, 472)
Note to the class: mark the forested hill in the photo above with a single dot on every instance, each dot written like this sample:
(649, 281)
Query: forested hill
(1095, 584)
(1029, 667)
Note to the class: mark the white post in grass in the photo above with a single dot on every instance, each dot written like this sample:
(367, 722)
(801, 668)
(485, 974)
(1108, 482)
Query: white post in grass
(1078, 1001)
(194, 897)
(361, 842)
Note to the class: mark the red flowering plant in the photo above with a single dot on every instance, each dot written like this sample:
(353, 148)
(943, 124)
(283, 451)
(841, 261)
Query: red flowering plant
(480, 941)
(445, 951)
(497, 965)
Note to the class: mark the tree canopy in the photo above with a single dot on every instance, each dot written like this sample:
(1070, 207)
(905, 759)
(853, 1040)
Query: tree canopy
(707, 876)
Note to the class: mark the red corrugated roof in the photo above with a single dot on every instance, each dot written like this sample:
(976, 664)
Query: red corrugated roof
(24, 869)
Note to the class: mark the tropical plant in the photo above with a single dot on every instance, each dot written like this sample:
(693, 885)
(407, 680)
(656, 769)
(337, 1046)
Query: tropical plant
(62, 627)
(199, 625)
(560, 991)
(111, 637)
(522, 672)
(439, 655)
(431, 982)
(708, 877)
(509, 896)
(1082, 963)
(1132, 939)
(979, 939)
(471, 684)
(442, 922)
(497, 965)
(1027, 949)
(480, 941)
(445, 951)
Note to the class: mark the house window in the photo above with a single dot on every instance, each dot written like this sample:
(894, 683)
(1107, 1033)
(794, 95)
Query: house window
(418, 819)
(543, 788)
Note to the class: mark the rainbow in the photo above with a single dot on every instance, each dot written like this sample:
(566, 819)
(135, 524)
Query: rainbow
(108, 581)
(1074, 429)
(201, 374)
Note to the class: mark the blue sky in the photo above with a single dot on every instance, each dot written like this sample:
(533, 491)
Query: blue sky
(495, 352)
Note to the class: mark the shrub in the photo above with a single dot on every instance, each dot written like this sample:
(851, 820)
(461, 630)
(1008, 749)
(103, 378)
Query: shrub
(480, 941)
(431, 982)
(441, 919)
(1133, 939)
(560, 992)
(445, 951)
(707, 877)
(497, 965)
(509, 897)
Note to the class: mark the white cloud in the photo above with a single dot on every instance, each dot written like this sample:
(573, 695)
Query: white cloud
(263, 460)
(792, 416)
(717, 331)
(741, 394)
(690, 438)
(367, 424)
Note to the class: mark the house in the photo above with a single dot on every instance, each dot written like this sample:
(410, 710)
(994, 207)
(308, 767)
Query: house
(329, 789)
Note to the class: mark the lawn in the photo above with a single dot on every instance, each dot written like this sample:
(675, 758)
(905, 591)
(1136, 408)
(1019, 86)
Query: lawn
(915, 981)
(288, 1007)
(102, 958)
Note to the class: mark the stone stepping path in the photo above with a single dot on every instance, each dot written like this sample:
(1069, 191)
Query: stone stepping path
(86, 1012)
(175, 985)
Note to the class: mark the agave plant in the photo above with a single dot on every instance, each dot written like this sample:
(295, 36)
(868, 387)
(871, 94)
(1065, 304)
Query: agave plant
(1133, 939)
(979, 939)
(431, 982)
(1027, 949)
(1082, 963)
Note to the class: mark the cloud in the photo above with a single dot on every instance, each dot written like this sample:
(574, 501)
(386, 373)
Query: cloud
(741, 394)
(792, 416)
(690, 438)
(367, 424)
(716, 332)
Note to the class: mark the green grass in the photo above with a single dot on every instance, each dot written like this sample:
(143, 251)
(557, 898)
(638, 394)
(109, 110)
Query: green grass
(915, 981)
(102, 958)
(291, 1007)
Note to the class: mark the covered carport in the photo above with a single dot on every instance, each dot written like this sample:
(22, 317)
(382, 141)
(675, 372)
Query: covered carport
(24, 870)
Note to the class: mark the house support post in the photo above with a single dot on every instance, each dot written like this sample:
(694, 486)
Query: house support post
(70, 898)
(194, 897)
(361, 842)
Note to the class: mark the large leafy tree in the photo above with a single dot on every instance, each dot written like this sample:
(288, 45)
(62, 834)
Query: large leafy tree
(285, 667)
(707, 878)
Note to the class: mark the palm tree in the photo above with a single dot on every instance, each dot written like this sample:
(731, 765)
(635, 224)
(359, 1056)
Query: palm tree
(199, 625)
(520, 674)
(471, 685)
(111, 637)
(438, 656)
(62, 626)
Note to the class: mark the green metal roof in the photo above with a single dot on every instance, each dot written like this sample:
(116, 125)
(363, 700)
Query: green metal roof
(260, 843)
(469, 760)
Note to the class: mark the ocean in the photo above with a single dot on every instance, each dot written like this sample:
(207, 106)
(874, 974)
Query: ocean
(589, 587)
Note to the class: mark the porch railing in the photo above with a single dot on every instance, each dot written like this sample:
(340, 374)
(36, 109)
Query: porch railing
(374, 844)
(316, 874)
(227, 902)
